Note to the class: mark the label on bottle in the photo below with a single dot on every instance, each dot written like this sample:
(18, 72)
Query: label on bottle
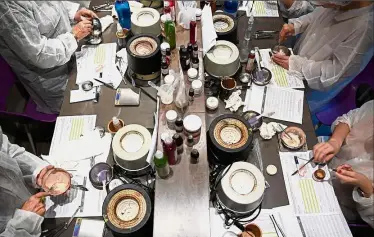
(163, 172)
(195, 65)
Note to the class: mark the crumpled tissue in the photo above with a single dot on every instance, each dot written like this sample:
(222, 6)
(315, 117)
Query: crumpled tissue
(234, 101)
(268, 130)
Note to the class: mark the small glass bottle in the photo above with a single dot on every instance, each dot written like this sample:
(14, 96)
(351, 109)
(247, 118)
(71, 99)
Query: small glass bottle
(116, 124)
(251, 62)
(191, 94)
(161, 164)
(193, 31)
(171, 151)
(189, 143)
(170, 32)
(164, 67)
(195, 50)
(189, 49)
(168, 56)
(185, 59)
(179, 125)
(195, 62)
(194, 157)
(179, 143)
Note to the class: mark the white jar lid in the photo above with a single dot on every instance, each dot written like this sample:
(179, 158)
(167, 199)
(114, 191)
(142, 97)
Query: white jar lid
(192, 123)
(163, 18)
(198, 12)
(169, 79)
(192, 73)
(212, 103)
(164, 46)
(171, 115)
(196, 85)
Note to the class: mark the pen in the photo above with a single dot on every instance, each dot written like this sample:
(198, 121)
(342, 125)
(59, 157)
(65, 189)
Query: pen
(105, 84)
(310, 160)
(296, 162)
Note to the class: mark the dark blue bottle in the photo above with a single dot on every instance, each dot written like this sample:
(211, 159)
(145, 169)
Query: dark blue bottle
(124, 13)
(231, 7)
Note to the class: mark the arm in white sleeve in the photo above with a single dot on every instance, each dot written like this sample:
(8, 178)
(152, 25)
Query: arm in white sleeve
(302, 23)
(23, 224)
(297, 9)
(354, 116)
(29, 164)
(72, 8)
(20, 30)
(345, 61)
(365, 207)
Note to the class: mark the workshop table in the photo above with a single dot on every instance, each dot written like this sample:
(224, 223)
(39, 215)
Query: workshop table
(182, 201)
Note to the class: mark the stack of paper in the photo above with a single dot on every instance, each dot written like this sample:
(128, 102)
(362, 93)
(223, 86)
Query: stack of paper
(314, 203)
(287, 104)
(73, 145)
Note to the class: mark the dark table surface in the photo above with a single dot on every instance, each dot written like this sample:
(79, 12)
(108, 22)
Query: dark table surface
(143, 115)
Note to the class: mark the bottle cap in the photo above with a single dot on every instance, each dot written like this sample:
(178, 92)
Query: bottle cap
(191, 92)
(163, 18)
(212, 103)
(168, 140)
(178, 139)
(198, 12)
(179, 122)
(195, 47)
(159, 154)
(164, 46)
(164, 135)
(166, 4)
(189, 45)
(171, 116)
(169, 79)
(192, 73)
(195, 154)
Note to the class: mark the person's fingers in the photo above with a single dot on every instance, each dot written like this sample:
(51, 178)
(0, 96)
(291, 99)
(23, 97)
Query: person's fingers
(283, 33)
(41, 194)
(317, 154)
(345, 172)
(280, 56)
(324, 151)
(42, 173)
(41, 211)
(329, 157)
(344, 179)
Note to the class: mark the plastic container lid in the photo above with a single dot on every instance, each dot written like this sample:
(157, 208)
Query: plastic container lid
(163, 18)
(164, 46)
(164, 135)
(197, 85)
(192, 73)
(198, 12)
(171, 116)
(212, 103)
(169, 79)
(192, 123)
(159, 154)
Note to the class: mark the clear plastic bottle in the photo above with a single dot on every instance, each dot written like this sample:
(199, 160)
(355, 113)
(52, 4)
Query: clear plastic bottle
(248, 30)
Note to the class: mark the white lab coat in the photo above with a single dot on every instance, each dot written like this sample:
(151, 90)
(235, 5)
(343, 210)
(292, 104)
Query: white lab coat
(357, 151)
(36, 41)
(297, 9)
(18, 170)
(332, 44)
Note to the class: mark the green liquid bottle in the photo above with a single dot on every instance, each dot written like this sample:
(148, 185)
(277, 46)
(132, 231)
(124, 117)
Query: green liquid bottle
(161, 165)
(170, 32)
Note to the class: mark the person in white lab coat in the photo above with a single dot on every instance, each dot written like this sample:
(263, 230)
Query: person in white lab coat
(352, 146)
(336, 43)
(37, 41)
(21, 210)
(294, 8)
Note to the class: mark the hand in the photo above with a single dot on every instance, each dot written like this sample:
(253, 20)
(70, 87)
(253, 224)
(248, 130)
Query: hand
(348, 176)
(82, 29)
(287, 30)
(324, 152)
(40, 176)
(35, 204)
(281, 60)
(85, 13)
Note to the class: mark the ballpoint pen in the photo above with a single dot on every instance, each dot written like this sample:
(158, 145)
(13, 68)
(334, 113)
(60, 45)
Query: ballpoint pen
(297, 163)
(310, 160)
